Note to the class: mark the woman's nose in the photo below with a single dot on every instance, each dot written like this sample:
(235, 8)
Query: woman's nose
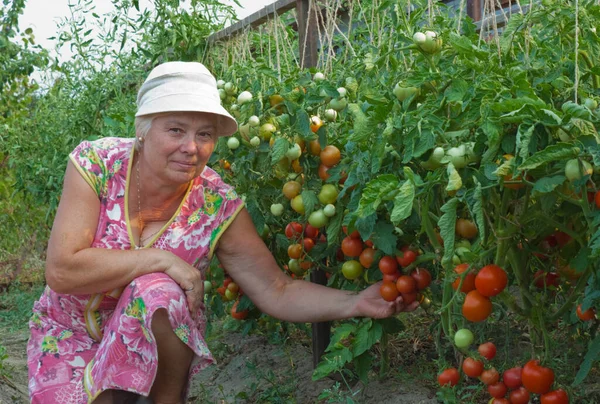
(189, 144)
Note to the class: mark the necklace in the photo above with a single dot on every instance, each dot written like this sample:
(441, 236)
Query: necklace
(139, 217)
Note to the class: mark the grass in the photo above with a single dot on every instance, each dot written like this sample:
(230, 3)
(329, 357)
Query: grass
(16, 304)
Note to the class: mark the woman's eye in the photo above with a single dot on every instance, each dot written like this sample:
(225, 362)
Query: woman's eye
(175, 130)
(204, 134)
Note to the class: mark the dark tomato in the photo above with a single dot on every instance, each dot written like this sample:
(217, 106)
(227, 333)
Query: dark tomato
(352, 247)
(472, 367)
(597, 199)
(562, 238)
(391, 277)
(587, 315)
(537, 379)
(546, 279)
(476, 307)
(407, 257)
(293, 230)
(500, 401)
(295, 251)
(449, 377)
(388, 291)
(512, 377)
(308, 244)
(238, 315)
(311, 231)
(406, 284)
(408, 298)
(422, 276)
(330, 155)
(489, 376)
(490, 280)
(387, 265)
(519, 396)
(466, 228)
(468, 281)
(323, 172)
(487, 350)
(367, 256)
(497, 390)
(558, 396)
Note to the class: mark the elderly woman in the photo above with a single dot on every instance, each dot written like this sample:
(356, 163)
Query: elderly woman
(139, 220)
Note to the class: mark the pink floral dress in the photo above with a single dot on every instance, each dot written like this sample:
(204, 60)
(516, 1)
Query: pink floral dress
(81, 345)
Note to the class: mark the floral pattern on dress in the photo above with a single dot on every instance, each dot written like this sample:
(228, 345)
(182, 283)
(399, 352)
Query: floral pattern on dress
(65, 363)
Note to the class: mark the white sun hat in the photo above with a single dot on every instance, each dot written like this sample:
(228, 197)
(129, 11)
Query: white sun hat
(183, 87)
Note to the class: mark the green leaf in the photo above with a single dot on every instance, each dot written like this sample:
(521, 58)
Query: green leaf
(363, 364)
(257, 217)
(548, 184)
(367, 334)
(403, 202)
(580, 262)
(332, 362)
(465, 47)
(558, 151)
(477, 210)
(302, 123)
(335, 225)
(447, 224)
(362, 126)
(384, 237)
(391, 325)
(576, 110)
(591, 356)
(523, 139)
(245, 303)
(384, 187)
(366, 225)
(586, 128)
(310, 200)
(280, 147)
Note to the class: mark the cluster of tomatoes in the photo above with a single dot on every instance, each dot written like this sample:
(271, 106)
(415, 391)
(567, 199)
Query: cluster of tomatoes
(397, 283)
(479, 287)
(231, 291)
(514, 386)
(304, 238)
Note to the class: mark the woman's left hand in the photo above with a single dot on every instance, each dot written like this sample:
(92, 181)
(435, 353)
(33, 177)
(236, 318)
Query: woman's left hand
(371, 304)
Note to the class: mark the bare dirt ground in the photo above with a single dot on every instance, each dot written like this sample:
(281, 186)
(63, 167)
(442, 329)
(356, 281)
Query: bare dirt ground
(250, 370)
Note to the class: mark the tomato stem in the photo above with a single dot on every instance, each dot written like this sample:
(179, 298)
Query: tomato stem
(575, 294)
(586, 58)
(385, 355)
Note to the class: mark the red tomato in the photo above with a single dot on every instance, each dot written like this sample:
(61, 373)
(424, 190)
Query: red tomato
(500, 401)
(519, 396)
(388, 291)
(543, 279)
(387, 265)
(597, 199)
(449, 376)
(293, 230)
(489, 376)
(238, 315)
(558, 396)
(468, 282)
(354, 234)
(562, 238)
(512, 377)
(497, 390)
(407, 257)
(476, 307)
(406, 284)
(587, 315)
(308, 244)
(391, 277)
(367, 256)
(311, 232)
(487, 350)
(472, 367)
(408, 298)
(490, 280)
(537, 379)
(352, 247)
(422, 276)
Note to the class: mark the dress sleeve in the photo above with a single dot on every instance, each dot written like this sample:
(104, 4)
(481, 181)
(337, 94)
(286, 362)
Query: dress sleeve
(91, 166)
(231, 205)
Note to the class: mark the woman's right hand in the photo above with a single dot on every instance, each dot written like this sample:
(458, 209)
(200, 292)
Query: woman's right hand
(189, 279)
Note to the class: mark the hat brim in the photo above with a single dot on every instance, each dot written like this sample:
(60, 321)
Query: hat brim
(227, 124)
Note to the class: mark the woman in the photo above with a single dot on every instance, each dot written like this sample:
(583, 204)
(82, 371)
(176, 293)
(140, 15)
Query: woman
(122, 317)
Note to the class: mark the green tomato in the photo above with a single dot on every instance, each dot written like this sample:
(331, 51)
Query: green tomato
(463, 338)
(352, 269)
(403, 93)
(255, 141)
(330, 114)
(220, 83)
(338, 103)
(318, 219)
(233, 143)
(207, 287)
(590, 103)
(266, 130)
(222, 94)
(342, 92)
(277, 209)
(328, 194)
(244, 97)
(294, 267)
(229, 295)
(297, 204)
(229, 88)
(294, 152)
(574, 171)
(254, 121)
(329, 210)
(318, 77)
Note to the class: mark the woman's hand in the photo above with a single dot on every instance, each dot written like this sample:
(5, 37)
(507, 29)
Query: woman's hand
(371, 304)
(189, 279)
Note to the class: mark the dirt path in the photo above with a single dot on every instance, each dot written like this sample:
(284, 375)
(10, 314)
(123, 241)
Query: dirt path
(251, 370)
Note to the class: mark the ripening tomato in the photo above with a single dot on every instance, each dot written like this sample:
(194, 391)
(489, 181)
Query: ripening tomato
(406, 284)
(449, 376)
(238, 315)
(558, 396)
(597, 199)
(388, 291)
(422, 276)
(491, 280)
(561, 238)
(330, 156)
(497, 390)
(476, 307)
(311, 231)
(295, 251)
(468, 283)
(293, 230)
(352, 269)
(472, 367)
(308, 244)
(408, 298)
(512, 377)
(489, 376)
(487, 350)
(407, 257)
(587, 315)
(291, 189)
(315, 123)
(466, 228)
(500, 401)
(537, 379)
(323, 172)
(352, 247)
(367, 256)
(519, 396)
(391, 277)
(354, 234)
(388, 265)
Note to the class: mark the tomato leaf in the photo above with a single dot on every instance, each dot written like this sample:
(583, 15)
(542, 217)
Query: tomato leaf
(335, 225)
(454, 179)
(332, 362)
(245, 303)
(383, 237)
(578, 111)
(362, 364)
(367, 334)
(362, 125)
(586, 128)
(403, 202)
(548, 184)
(447, 224)
(310, 200)
(558, 151)
(257, 217)
(302, 123)
(384, 187)
(592, 355)
(523, 139)
(280, 147)
(366, 225)
(391, 325)
(475, 199)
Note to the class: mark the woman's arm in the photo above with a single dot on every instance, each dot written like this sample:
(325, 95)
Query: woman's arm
(73, 267)
(247, 259)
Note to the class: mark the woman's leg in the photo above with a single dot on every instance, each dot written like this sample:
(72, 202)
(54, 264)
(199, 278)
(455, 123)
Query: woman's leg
(174, 360)
(116, 397)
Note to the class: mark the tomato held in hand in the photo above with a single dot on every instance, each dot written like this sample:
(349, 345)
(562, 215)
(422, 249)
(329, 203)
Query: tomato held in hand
(406, 284)
(422, 276)
(558, 396)
(388, 291)
(512, 377)
(537, 379)
(491, 280)
(449, 377)
(472, 367)
(476, 307)
(387, 265)
(519, 396)
(407, 257)
(487, 350)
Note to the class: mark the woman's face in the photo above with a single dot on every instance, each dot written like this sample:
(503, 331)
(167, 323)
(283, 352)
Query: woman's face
(179, 144)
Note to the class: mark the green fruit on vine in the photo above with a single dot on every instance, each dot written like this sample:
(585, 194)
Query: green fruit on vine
(229, 88)
(233, 143)
(342, 92)
(330, 114)
(295, 268)
(253, 121)
(403, 93)
(575, 169)
(352, 269)
(207, 287)
(222, 94)
(277, 209)
(463, 338)
(220, 83)
(590, 103)
(266, 130)
(338, 104)
(244, 97)
(318, 219)
(255, 141)
(297, 204)
(328, 194)
(294, 152)
(329, 210)
(318, 77)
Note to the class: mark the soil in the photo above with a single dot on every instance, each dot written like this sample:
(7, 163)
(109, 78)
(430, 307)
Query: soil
(250, 369)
